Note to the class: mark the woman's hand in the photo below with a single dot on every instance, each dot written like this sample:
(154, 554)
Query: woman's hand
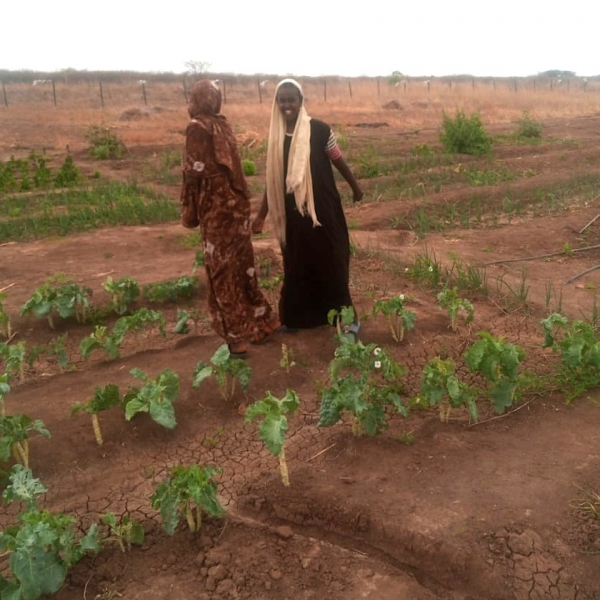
(257, 225)
(358, 195)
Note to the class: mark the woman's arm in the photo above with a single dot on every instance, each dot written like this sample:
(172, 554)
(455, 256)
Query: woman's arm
(259, 220)
(341, 165)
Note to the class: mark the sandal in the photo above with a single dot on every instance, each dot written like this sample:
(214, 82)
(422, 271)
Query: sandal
(350, 333)
(266, 334)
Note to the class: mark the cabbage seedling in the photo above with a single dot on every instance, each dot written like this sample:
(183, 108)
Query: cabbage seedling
(126, 532)
(103, 399)
(123, 293)
(399, 319)
(187, 492)
(14, 434)
(227, 371)
(274, 425)
(453, 305)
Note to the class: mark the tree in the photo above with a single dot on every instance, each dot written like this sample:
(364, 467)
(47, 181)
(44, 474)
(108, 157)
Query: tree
(197, 67)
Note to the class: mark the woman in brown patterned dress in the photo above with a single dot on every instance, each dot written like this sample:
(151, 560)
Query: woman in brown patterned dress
(215, 196)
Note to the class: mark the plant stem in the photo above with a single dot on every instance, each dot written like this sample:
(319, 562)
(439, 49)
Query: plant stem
(285, 477)
(97, 431)
(22, 453)
(50, 321)
(119, 538)
(198, 517)
(189, 516)
(392, 325)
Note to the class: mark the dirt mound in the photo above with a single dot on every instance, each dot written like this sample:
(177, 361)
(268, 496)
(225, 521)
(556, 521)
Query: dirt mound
(392, 105)
(133, 114)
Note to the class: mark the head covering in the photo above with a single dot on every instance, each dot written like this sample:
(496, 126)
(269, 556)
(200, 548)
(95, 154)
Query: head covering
(203, 107)
(298, 180)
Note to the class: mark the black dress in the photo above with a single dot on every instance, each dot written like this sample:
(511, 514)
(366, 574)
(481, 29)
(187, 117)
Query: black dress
(316, 260)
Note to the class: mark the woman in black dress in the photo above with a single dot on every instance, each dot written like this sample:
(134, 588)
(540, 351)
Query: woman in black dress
(306, 209)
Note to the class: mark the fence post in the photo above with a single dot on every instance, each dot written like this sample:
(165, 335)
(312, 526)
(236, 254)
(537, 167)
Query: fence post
(378, 88)
(535, 85)
(405, 87)
(473, 83)
(494, 83)
(449, 83)
(515, 85)
(325, 90)
(428, 86)
(54, 92)
(185, 92)
(224, 92)
(551, 84)
(4, 94)
(259, 91)
(144, 93)
(101, 93)
(350, 87)
(584, 89)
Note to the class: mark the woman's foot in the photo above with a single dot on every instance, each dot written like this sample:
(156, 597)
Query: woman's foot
(267, 331)
(238, 350)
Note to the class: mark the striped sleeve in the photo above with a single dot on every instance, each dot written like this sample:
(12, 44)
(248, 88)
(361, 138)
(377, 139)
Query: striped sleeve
(332, 149)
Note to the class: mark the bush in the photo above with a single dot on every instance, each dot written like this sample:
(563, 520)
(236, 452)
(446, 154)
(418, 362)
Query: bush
(249, 167)
(465, 135)
(105, 144)
(528, 127)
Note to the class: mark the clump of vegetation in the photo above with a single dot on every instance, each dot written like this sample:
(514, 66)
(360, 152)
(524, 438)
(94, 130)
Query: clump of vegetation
(67, 300)
(155, 397)
(171, 291)
(125, 532)
(227, 371)
(55, 348)
(450, 302)
(103, 399)
(14, 435)
(287, 358)
(274, 425)
(399, 319)
(342, 320)
(249, 167)
(364, 380)
(43, 546)
(123, 292)
(5, 328)
(579, 347)
(465, 135)
(67, 175)
(441, 387)
(528, 127)
(499, 364)
(187, 491)
(13, 356)
(104, 143)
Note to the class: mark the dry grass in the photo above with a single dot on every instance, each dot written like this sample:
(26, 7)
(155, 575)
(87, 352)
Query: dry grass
(33, 122)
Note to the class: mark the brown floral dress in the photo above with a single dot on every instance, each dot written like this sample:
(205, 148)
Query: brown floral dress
(215, 196)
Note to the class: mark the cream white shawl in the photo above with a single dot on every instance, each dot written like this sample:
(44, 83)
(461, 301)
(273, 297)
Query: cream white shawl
(298, 180)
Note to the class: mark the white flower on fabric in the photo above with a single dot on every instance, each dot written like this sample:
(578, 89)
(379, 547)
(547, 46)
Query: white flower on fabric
(260, 311)
(377, 351)
(250, 272)
(209, 248)
(431, 269)
(378, 364)
(198, 166)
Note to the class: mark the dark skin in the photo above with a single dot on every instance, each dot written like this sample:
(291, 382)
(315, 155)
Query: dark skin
(289, 101)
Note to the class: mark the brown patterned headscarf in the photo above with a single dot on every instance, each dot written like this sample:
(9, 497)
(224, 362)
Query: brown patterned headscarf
(203, 107)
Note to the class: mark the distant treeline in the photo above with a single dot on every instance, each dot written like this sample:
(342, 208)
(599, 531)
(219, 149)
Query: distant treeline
(76, 76)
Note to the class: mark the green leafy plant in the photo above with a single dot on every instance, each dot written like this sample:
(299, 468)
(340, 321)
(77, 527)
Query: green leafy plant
(226, 370)
(67, 300)
(249, 167)
(499, 364)
(274, 425)
(155, 397)
(103, 399)
(399, 319)
(56, 348)
(528, 127)
(440, 386)
(104, 143)
(171, 291)
(450, 302)
(187, 491)
(370, 383)
(14, 435)
(43, 546)
(579, 347)
(126, 532)
(68, 174)
(287, 358)
(111, 343)
(5, 328)
(465, 135)
(342, 319)
(123, 292)
(13, 356)
(4, 390)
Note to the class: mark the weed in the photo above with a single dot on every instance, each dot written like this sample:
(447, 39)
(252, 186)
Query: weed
(528, 127)
(249, 167)
(465, 135)
(104, 143)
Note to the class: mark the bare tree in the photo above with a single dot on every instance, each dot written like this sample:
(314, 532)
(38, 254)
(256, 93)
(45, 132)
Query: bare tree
(197, 67)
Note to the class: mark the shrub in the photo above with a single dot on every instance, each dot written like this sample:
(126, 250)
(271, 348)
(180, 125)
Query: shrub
(249, 167)
(105, 144)
(465, 135)
(528, 127)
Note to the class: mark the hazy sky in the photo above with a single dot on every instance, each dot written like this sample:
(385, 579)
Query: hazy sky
(314, 37)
